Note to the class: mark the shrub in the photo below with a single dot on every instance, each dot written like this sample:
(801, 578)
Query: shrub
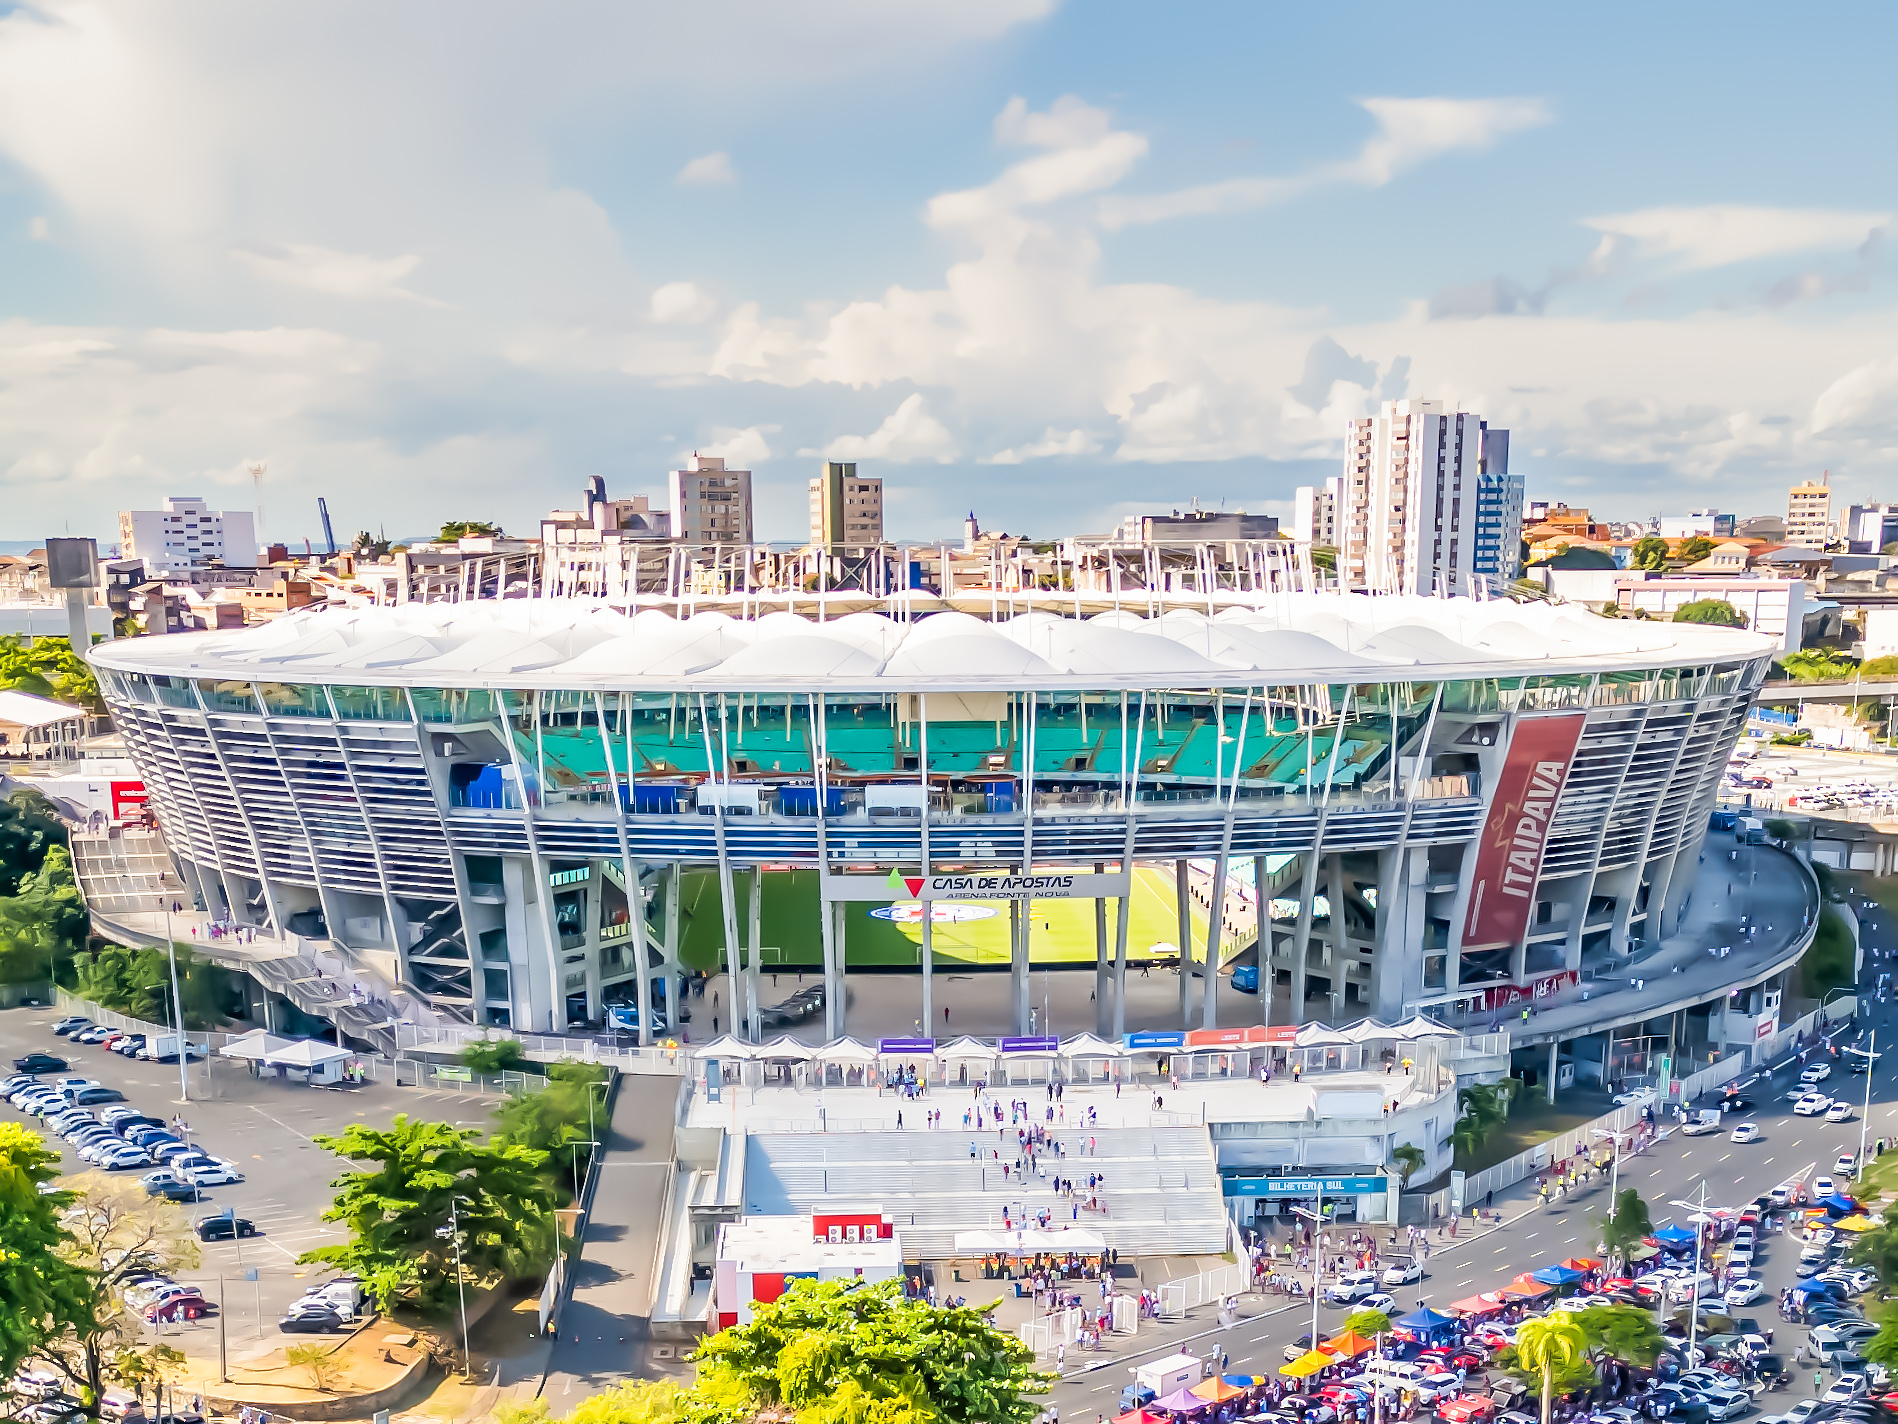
(495, 1055)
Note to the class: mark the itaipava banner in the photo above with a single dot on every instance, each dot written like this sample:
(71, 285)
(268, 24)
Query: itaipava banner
(1516, 832)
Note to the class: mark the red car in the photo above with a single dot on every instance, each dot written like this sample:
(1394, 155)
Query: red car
(184, 1307)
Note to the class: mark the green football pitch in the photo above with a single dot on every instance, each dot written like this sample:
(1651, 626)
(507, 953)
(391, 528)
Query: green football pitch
(1063, 929)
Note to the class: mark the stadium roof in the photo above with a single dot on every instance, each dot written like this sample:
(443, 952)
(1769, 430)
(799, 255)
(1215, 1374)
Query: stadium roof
(1308, 638)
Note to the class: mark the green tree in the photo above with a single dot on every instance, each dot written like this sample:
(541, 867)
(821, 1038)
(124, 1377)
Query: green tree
(113, 1228)
(463, 528)
(1650, 554)
(1692, 551)
(1831, 962)
(1553, 1349)
(29, 829)
(494, 1055)
(628, 1402)
(43, 925)
(1624, 1228)
(48, 667)
(842, 1352)
(1481, 1106)
(1886, 666)
(1882, 1348)
(319, 1362)
(1622, 1332)
(1409, 1159)
(1877, 1249)
(39, 1294)
(1368, 1323)
(1816, 665)
(399, 1213)
(137, 1368)
(1716, 611)
(555, 1119)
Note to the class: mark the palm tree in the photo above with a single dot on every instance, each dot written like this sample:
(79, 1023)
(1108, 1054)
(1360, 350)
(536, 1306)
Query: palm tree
(1550, 1345)
(1408, 1159)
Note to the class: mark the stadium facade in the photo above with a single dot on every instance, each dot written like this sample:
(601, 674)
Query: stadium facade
(1453, 804)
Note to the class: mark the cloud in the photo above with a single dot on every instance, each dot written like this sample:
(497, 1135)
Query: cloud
(1326, 365)
(1084, 154)
(39, 229)
(1409, 132)
(682, 302)
(335, 274)
(712, 170)
(911, 433)
(1053, 443)
(1720, 235)
(1827, 280)
(741, 449)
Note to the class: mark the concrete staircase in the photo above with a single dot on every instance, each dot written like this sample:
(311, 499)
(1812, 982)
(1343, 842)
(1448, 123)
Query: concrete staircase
(1163, 1196)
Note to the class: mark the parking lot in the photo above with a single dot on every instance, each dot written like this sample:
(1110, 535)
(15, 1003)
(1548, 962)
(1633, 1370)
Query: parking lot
(265, 1128)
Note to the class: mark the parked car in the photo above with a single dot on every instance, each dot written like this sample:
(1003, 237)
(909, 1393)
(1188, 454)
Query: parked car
(98, 1095)
(223, 1228)
(1822, 1187)
(1844, 1390)
(129, 1046)
(180, 1308)
(1846, 1163)
(40, 1063)
(317, 1320)
(71, 1024)
(92, 1033)
(1743, 1292)
(216, 1174)
(178, 1191)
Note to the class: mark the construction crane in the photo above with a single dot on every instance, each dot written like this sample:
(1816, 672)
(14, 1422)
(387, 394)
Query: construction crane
(329, 534)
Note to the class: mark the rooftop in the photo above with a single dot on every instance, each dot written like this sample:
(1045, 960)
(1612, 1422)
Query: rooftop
(585, 643)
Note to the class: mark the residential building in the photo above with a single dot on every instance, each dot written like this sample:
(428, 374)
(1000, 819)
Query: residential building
(846, 508)
(1695, 524)
(1197, 526)
(1407, 503)
(1315, 513)
(188, 534)
(1809, 513)
(709, 503)
(1773, 606)
(600, 520)
(1544, 520)
(1769, 527)
(1868, 528)
(1499, 496)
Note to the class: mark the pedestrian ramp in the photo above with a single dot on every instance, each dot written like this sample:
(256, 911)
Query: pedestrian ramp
(1162, 1190)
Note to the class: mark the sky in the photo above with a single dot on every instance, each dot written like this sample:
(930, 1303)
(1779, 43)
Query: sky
(1051, 263)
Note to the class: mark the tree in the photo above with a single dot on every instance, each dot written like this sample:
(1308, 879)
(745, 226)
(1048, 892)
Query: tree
(43, 925)
(1816, 665)
(1624, 1228)
(399, 1214)
(317, 1361)
(1716, 611)
(136, 1368)
(39, 1295)
(1553, 1348)
(1481, 1106)
(1692, 551)
(113, 1228)
(1882, 1348)
(1650, 554)
(1831, 962)
(495, 1055)
(48, 667)
(1367, 1323)
(1409, 1159)
(29, 829)
(554, 1120)
(1886, 666)
(842, 1352)
(464, 528)
(628, 1402)
(1622, 1332)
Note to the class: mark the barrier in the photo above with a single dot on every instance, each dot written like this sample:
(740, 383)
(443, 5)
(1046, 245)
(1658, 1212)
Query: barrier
(1044, 1333)
(1178, 1297)
(1534, 1159)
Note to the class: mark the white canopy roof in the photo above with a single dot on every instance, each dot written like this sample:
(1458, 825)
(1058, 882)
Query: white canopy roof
(1417, 1026)
(846, 1050)
(1314, 1035)
(966, 1047)
(307, 1053)
(253, 1045)
(786, 1047)
(1026, 1242)
(585, 643)
(1369, 1031)
(725, 1046)
(1086, 1045)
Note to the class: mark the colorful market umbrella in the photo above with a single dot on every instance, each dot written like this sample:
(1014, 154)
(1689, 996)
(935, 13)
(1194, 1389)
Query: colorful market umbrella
(1582, 1263)
(1527, 1286)
(1350, 1345)
(1181, 1401)
(1859, 1222)
(1217, 1391)
(1556, 1276)
(1672, 1235)
(1839, 1204)
(1478, 1305)
(1308, 1363)
(1424, 1318)
(1140, 1416)
(1244, 1381)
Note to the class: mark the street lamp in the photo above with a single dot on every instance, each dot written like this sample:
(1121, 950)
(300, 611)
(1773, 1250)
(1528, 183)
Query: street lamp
(1614, 1163)
(1865, 1117)
(1317, 1218)
(1699, 1218)
(453, 1229)
(177, 1010)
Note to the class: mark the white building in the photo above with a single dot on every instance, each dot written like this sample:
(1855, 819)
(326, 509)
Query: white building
(1809, 513)
(709, 503)
(1315, 513)
(1407, 503)
(187, 534)
(1773, 606)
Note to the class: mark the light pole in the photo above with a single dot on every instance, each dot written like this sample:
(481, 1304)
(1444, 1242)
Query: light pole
(177, 1011)
(1865, 1117)
(1699, 1210)
(453, 1229)
(1317, 1219)
(1614, 1163)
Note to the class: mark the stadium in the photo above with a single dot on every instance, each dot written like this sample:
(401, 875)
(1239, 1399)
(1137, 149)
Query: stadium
(502, 809)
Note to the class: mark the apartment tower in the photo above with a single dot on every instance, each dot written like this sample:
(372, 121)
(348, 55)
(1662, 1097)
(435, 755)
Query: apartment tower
(1809, 513)
(710, 504)
(1407, 502)
(846, 511)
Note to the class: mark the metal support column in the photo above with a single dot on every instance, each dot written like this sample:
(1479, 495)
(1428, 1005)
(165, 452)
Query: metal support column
(1018, 966)
(1301, 938)
(1183, 893)
(1103, 983)
(754, 1011)
(1555, 1055)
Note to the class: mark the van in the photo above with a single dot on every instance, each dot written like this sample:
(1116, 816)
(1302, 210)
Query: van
(121, 1406)
(1401, 1373)
(345, 1293)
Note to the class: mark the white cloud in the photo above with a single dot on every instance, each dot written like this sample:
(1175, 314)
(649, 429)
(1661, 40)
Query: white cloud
(711, 170)
(336, 274)
(1864, 399)
(39, 229)
(1053, 443)
(911, 433)
(741, 449)
(1409, 132)
(1719, 235)
(683, 302)
(1084, 155)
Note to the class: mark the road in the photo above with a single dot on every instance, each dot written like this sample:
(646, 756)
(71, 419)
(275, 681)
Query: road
(1533, 1236)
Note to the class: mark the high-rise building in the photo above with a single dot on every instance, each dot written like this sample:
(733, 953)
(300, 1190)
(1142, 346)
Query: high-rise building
(709, 503)
(1315, 513)
(187, 534)
(846, 510)
(1407, 502)
(1869, 528)
(1809, 513)
(1499, 496)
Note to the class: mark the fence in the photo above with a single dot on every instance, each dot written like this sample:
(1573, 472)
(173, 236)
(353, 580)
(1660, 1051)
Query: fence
(1526, 1163)
(425, 1038)
(1844, 1007)
(1044, 1333)
(1178, 1297)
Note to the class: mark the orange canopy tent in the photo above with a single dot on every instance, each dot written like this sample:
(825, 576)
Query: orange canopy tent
(1216, 1390)
(1350, 1345)
(1582, 1263)
(1526, 1285)
(1477, 1305)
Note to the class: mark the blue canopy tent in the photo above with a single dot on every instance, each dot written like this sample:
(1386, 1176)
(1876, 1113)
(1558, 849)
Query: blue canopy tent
(1556, 1276)
(1839, 1205)
(1812, 1287)
(1674, 1238)
(1425, 1321)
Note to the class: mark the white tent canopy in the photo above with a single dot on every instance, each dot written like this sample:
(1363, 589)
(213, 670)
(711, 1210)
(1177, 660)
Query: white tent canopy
(1086, 1045)
(1318, 1036)
(846, 1050)
(725, 1046)
(307, 1053)
(1026, 1242)
(786, 1047)
(1369, 1031)
(966, 1047)
(253, 1045)
(1417, 1026)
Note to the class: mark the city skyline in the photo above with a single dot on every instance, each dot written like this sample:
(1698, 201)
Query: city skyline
(1083, 265)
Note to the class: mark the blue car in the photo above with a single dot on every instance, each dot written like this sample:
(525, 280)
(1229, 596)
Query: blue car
(1246, 978)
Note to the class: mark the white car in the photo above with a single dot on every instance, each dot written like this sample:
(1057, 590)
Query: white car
(1846, 1164)
(1855, 1279)
(1822, 1188)
(1403, 1273)
(1845, 1389)
(216, 1175)
(1351, 1287)
(122, 1158)
(1811, 1105)
(1840, 1111)
(1817, 1073)
(1745, 1132)
(1726, 1403)
(1743, 1293)
(1740, 1256)
(1378, 1300)
(1634, 1099)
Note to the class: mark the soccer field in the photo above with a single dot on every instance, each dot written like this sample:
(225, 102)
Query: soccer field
(1063, 930)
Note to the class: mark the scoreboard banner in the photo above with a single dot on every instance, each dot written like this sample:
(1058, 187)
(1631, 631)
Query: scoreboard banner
(1037, 885)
